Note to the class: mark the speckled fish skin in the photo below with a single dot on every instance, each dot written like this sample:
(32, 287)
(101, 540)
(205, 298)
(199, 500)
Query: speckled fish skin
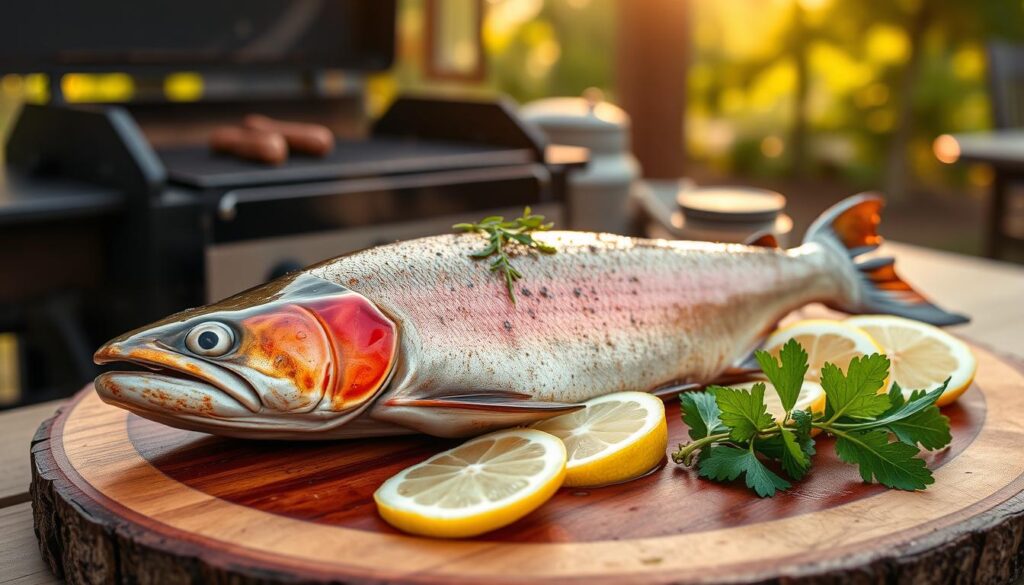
(604, 314)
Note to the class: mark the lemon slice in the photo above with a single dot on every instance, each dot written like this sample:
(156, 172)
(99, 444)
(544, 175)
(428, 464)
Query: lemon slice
(824, 341)
(483, 484)
(617, 437)
(812, 397)
(922, 355)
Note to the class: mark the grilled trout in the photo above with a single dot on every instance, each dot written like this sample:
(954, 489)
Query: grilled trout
(416, 336)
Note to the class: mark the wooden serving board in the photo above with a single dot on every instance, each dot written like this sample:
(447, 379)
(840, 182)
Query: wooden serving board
(120, 499)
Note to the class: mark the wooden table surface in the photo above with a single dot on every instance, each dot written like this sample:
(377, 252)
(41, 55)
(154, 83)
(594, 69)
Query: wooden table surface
(991, 292)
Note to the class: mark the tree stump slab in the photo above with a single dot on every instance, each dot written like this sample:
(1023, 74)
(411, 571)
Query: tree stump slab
(119, 499)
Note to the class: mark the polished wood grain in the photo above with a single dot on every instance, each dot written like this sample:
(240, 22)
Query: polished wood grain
(333, 483)
(193, 504)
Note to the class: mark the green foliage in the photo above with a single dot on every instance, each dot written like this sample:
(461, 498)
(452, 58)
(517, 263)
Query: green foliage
(867, 85)
(846, 86)
(733, 434)
(742, 412)
(793, 447)
(856, 394)
(701, 414)
(796, 460)
(728, 463)
(894, 465)
(913, 421)
(786, 375)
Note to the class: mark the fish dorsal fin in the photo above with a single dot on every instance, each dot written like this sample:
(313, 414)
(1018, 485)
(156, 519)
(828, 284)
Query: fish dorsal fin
(763, 239)
(466, 414)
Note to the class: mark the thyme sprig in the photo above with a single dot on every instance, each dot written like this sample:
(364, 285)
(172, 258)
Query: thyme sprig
(501, 235)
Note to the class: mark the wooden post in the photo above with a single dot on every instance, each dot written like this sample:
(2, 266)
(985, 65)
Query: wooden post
(653, 49)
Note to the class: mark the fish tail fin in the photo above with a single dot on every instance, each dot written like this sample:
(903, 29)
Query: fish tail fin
(848, 230)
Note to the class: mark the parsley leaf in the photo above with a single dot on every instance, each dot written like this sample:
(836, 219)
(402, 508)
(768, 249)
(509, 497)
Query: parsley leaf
(856, 394)
(795, 461)
(701, 414)
(743, 412)
(803, 419)
(794, 447)
(787, 376)
(929, 428)
(913, 421)
(897, 400)
(727, 463)
(891, 464)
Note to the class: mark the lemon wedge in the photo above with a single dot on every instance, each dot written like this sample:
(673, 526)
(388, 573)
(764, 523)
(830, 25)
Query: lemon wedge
(824, 341)
(479, 486)
(812, 397)
(616, 437)
(922, 355)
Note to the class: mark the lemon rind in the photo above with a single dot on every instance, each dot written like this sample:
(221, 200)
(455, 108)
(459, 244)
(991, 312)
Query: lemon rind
(406, 515)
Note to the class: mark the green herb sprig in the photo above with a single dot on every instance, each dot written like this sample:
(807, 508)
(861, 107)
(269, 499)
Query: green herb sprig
(503, 234)
(733, 434)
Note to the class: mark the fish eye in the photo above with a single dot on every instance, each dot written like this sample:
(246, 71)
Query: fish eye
(211, 339)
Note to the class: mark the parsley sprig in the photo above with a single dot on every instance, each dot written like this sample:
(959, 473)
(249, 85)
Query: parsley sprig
(733, 435)
(501, 235)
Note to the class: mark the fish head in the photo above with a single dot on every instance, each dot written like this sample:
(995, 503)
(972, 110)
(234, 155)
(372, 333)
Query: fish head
(286, 358)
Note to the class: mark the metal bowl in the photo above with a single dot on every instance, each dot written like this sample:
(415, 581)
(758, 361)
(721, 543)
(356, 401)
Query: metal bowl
(731, 204)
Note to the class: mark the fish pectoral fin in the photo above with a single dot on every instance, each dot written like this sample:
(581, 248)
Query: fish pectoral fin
(497, 402)
(746, 363)
(737, 375)
(732, 375)
(673, 390)
(465, 415)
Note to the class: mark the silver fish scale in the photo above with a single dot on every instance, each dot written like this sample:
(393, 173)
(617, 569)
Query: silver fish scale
(604, 314)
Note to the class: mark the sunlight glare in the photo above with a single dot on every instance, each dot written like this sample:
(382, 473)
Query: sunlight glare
(814, 5)
(887, 44)
(946, 149)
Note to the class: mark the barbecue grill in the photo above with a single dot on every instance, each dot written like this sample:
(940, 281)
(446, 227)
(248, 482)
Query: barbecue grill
(166, 224)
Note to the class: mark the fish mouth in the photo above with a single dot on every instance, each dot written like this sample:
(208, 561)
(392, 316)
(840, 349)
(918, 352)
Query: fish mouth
(169, 382)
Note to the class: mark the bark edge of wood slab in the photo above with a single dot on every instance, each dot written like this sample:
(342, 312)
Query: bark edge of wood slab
(86, 536)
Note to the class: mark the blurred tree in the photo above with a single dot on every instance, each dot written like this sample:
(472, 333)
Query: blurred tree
(558, 47)
(856, 88)
(850, 89)
(798, 46)
(956, 20)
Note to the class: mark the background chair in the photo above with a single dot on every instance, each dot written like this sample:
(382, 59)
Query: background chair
(1006, 85)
